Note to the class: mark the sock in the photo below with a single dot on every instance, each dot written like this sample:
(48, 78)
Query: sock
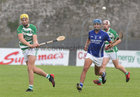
(100, 79)
(81, 84)
(48, 76)
(126, 73)
(31, 87)
(103, 74)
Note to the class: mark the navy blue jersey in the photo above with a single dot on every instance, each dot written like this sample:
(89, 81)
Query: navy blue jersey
(97, 43)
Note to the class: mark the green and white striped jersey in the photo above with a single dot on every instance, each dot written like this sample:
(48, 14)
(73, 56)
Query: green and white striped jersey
(27, 34)
(113, 35)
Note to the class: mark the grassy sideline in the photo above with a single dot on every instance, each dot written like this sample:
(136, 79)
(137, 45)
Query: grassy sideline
(14, 82)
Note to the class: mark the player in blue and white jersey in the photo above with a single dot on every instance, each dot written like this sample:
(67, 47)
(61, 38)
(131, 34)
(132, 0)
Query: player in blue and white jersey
(95, 51)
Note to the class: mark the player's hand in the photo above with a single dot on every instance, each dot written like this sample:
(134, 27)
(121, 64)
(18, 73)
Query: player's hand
(32, 46)
(108, 46)
(36, 45)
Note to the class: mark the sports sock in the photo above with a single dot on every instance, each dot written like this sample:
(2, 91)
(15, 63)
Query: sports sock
(100, 79)
(103, 74)
(31, 87)
(126, 73)
(48, 76)
(81, 84)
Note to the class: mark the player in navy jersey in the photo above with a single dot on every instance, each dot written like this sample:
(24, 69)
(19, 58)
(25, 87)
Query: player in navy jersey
(95, 51)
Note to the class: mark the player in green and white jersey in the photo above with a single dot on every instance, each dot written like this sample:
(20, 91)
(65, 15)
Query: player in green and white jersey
(111, 53)
(27, 35)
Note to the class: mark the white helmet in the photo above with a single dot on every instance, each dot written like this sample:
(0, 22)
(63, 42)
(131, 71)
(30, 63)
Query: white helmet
(106, 21)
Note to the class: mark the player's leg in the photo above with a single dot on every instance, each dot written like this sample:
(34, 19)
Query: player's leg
(30, 74)
(39, 71)
(102, 70)
(121, 68)
(87, 64)
(42, 73)
(97, 70)
(105, 62)
(117, 66)
(30, 65)
(115, 61)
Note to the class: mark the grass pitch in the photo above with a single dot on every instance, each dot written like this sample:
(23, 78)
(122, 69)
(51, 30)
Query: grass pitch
(14, 82)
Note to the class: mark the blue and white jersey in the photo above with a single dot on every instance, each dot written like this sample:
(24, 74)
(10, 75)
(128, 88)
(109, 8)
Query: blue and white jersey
(97, 43)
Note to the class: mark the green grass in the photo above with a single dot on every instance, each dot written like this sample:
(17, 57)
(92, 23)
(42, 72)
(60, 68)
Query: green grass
(14, 82)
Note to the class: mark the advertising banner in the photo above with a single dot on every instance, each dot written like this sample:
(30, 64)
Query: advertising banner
(126, 58)
(13, 56)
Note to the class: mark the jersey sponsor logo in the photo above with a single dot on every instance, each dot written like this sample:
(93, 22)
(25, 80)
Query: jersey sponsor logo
(27, 31)
(28, 34)
(96, 41)
(95, 37)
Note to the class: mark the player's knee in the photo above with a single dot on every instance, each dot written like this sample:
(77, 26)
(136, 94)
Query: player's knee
(117, 66)
(29, 69)
(100, 72)
(85, 69)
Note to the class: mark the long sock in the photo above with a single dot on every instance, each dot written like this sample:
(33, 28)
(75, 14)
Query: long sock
(100, 79)
(48, 76)
(81, 84)
(103, 74)
(31, 87)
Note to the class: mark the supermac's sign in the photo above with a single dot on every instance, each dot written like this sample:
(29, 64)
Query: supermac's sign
(44, 57)
(126, 58)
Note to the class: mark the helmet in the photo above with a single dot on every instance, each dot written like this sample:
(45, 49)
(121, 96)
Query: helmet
(24, 16)
(97, 21)
(106, 21)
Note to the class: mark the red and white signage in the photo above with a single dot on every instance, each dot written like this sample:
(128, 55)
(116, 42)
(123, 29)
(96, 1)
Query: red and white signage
(9, 56)
(126, 58)
(80, 58)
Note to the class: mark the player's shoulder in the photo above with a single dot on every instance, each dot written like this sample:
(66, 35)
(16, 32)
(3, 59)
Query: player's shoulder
(20, 27)
(91, 31)
(112, 30)
(31, 25)
(103, 32)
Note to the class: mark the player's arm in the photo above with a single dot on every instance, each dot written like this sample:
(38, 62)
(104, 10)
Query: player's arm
(117, 42)
(86, 45)
(109, 45)
(35, 40)
(117, 39)
(110, 42)
(21, 39)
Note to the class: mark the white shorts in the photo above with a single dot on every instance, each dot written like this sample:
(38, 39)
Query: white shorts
(111, 55)
(96, 61)
(30, 51)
